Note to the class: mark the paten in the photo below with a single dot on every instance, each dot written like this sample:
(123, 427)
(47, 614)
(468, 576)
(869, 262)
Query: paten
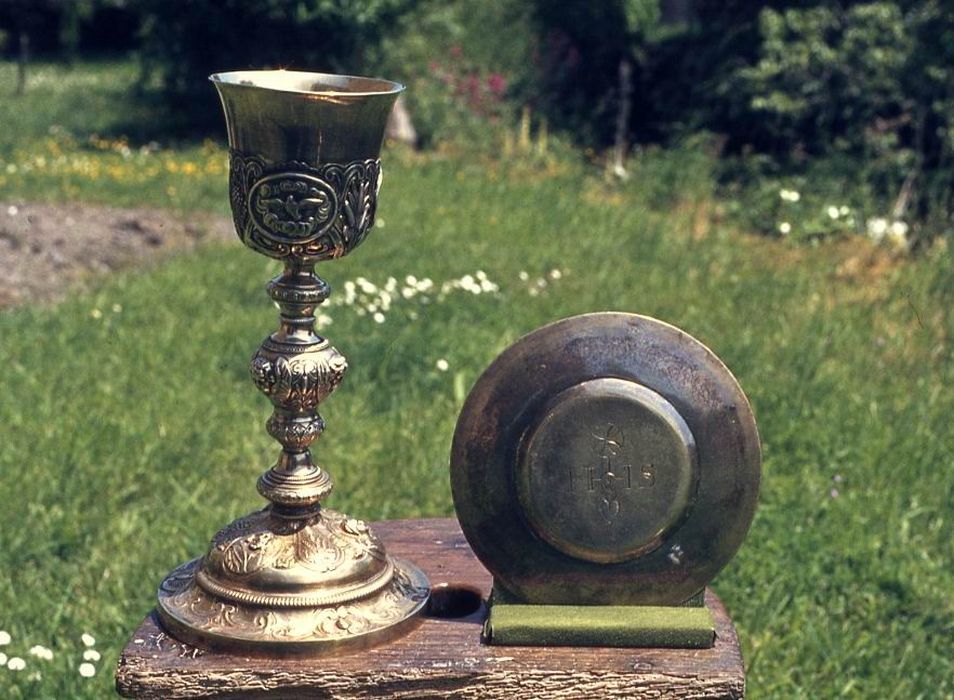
(605, 459)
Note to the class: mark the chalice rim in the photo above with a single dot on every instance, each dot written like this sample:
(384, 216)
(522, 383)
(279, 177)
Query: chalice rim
(238, 78)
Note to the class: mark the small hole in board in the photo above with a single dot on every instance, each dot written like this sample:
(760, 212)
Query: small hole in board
(452, 600)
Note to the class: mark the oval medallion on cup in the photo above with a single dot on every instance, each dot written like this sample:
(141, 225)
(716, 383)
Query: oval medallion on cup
(292, 207)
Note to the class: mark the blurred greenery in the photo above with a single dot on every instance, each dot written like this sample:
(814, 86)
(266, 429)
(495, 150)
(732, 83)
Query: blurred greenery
(321, 35)
(854, 97)
(131, 432)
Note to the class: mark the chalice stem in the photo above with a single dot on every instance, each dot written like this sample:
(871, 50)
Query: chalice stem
(297, 369)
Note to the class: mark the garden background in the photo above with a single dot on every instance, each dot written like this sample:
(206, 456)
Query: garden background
(774, 178)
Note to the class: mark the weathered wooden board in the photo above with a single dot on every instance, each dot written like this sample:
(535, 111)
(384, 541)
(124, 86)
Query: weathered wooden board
(442, 658)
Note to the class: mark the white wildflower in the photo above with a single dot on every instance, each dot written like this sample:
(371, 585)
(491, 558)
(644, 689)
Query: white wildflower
(785, 228)
(898, 235)
(378, 317)
(442, 365)
(843, 210)
(833, 212)
(876, 228)
(88, 639)
(555, 274)
(410, 281)
(408, 292)
(524, 275)
(41, 652)
(12, 210)
(16, 664)
(4, 638)
(469, 284)
(117, 308)
(87, 670)
(789, 195)
(96, 313)
(379, 223)
(91, 655)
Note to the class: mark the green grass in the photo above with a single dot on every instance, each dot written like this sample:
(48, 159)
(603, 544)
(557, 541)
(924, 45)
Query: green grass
(130, 435)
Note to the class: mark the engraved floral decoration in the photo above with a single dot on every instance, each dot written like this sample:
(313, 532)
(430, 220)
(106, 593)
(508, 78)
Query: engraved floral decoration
(299, 210)
(295, 433)
(292, 205)
(403, 593)
(249, 545)
(300, 382)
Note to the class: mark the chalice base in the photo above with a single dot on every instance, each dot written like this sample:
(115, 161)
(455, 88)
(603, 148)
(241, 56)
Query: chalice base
(322, 587)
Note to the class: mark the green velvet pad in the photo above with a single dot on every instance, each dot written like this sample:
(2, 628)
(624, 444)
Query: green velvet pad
(679, 627)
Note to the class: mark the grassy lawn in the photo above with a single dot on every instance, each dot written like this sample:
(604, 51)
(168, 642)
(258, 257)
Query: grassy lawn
(130, 430)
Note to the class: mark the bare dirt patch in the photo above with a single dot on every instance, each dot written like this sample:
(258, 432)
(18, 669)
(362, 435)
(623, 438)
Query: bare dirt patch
(48, 251)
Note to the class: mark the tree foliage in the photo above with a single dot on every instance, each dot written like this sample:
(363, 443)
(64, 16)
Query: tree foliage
(870, 82)
(873, 82)
(183, 42)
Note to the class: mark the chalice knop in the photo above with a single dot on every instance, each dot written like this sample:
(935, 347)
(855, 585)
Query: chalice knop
(304, 175)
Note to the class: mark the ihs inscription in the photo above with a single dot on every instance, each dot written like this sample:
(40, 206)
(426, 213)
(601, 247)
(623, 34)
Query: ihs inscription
(613, 472)
(606, 471)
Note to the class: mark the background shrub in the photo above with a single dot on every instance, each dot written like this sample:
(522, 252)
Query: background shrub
(858, 93)
(182, 43)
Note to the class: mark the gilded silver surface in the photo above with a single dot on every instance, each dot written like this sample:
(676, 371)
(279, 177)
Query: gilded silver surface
(300, 211)
(295, 576)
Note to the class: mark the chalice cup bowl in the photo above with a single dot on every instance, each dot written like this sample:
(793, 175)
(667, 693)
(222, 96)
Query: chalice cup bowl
(304, 176)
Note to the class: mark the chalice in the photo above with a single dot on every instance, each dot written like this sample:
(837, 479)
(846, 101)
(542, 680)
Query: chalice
(304, 174)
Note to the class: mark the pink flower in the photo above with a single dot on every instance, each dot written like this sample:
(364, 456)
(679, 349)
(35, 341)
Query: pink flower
(497, 84)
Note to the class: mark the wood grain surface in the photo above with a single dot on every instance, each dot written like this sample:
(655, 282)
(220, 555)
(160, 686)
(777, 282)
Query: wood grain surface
(441, 658)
